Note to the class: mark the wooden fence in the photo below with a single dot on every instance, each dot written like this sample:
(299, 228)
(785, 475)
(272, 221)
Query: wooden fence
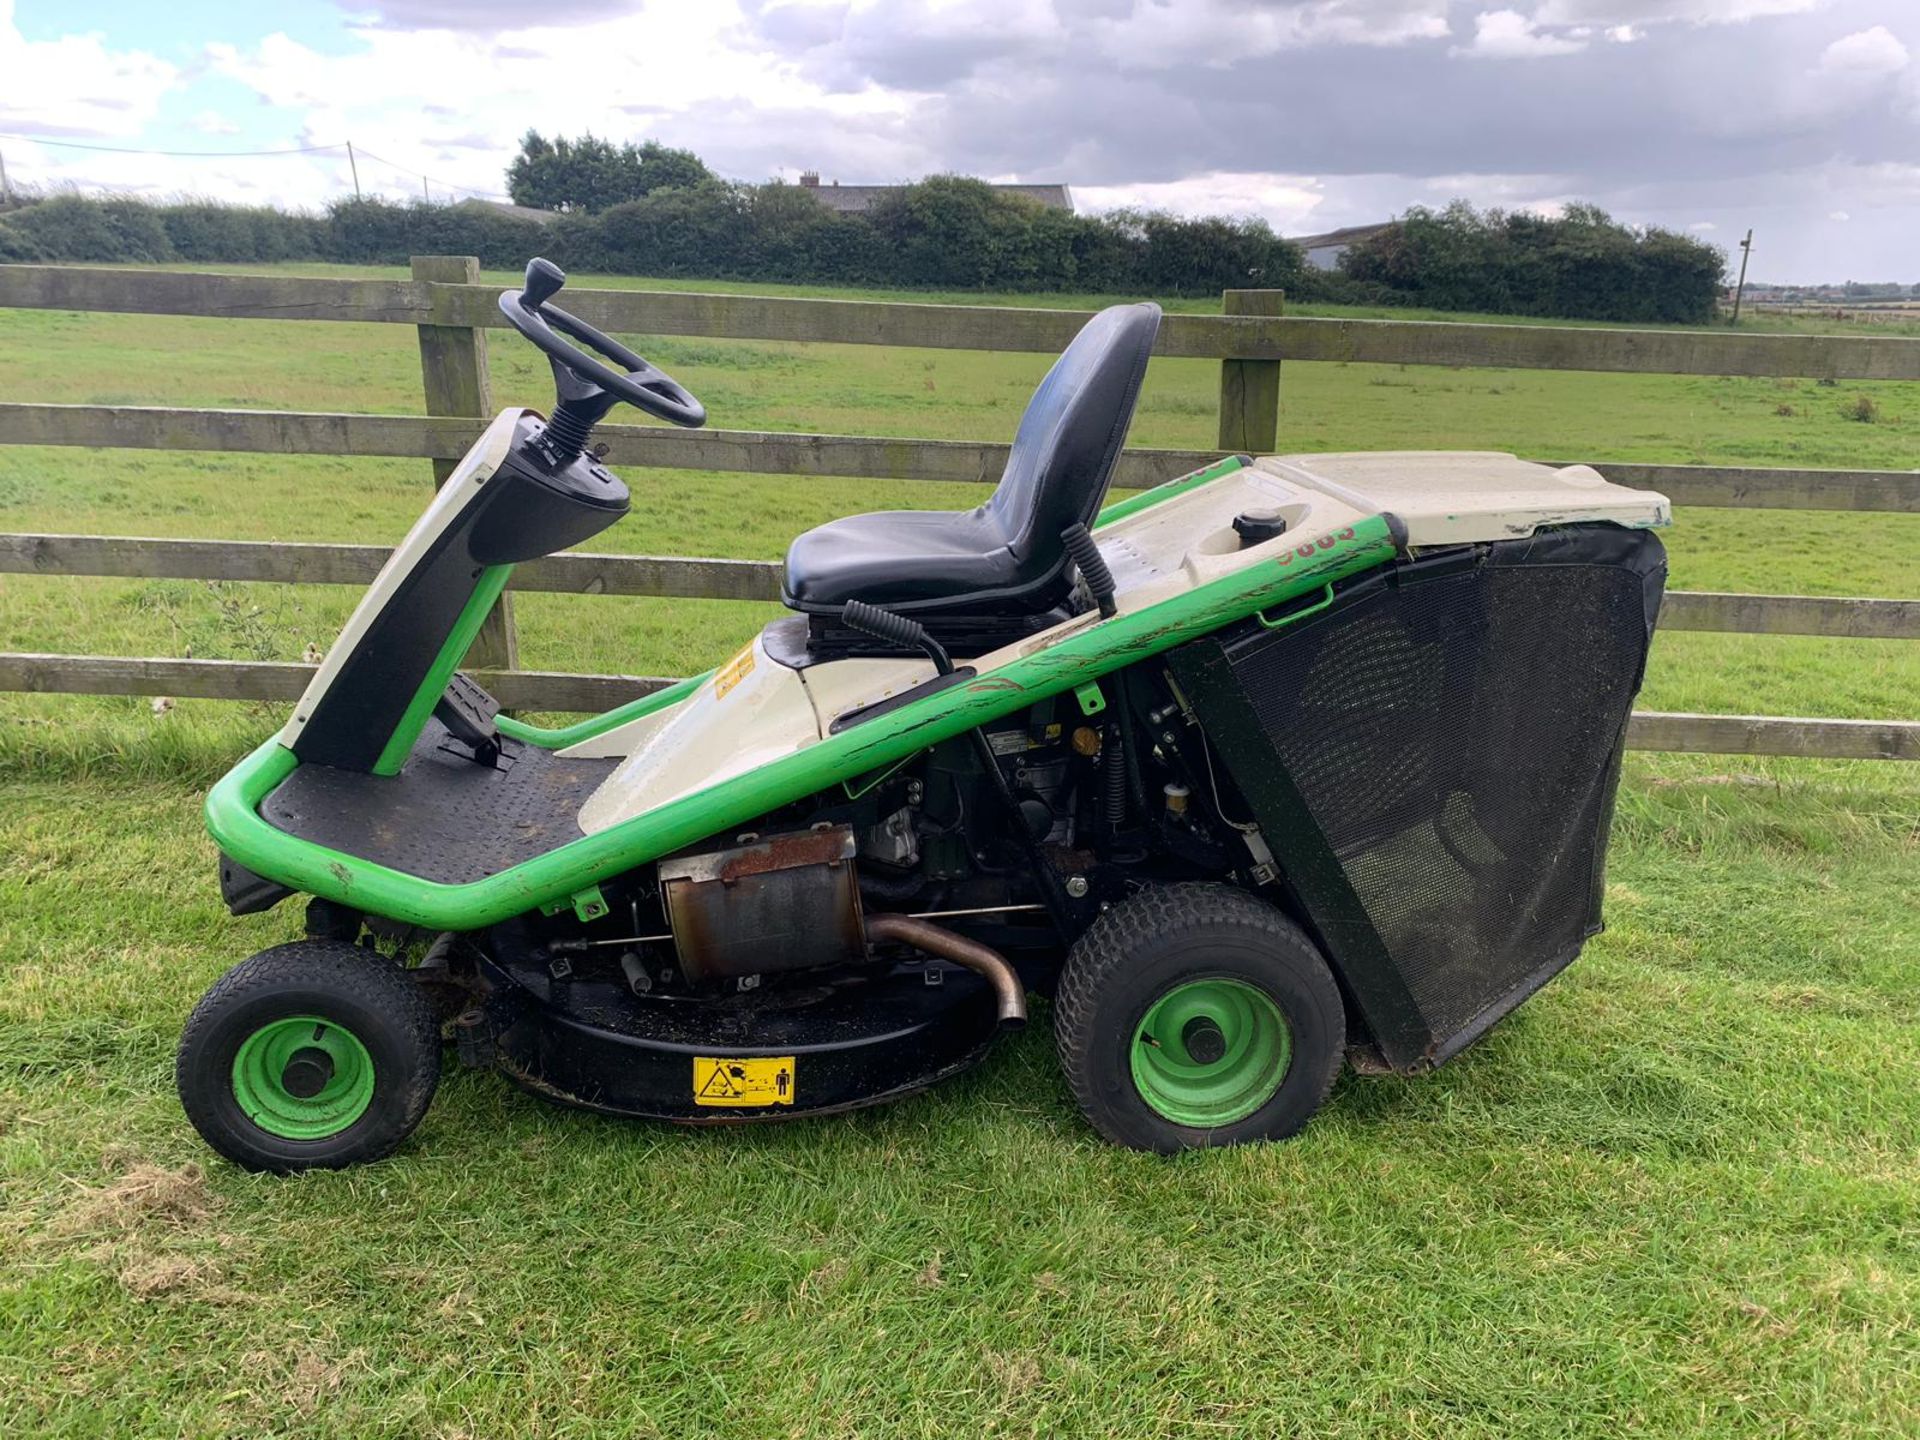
(452, 312)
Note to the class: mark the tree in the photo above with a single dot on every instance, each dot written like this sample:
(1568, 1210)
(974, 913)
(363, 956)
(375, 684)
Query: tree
(592, 174)
(951, 230)
(664, 168)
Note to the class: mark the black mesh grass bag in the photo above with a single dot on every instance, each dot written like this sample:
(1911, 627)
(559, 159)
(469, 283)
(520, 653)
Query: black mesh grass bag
(1433, 761)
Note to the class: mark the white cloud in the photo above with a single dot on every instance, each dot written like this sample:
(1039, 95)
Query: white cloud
(664, 58)
(75, 85)
(954, 22)
(1311, 113)
(1658, 12)
(1872, 52)
(1487, 188)
(1157, 34)
(1840, 215)
(1703, 227)
(669, 64)
(1509, 35)
(1283, 201)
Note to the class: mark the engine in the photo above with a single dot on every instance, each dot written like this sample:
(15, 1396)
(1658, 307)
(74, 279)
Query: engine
(1085, 800)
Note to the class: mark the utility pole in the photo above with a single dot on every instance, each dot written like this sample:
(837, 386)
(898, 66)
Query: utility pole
(353, 165)
(1746, 252)
(6, 190)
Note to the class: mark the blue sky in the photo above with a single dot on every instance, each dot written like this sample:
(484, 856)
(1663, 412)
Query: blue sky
(1800, 118)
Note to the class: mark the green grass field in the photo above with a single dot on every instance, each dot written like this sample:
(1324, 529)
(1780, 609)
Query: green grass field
(1677, 1193)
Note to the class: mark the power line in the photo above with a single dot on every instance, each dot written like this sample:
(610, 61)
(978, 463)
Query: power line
(178, 154)
(443, 184)
(345, 145)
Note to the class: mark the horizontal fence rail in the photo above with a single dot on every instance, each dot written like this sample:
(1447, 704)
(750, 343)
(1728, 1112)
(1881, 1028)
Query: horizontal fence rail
(326, 564)
(753, 452)
(285, 680)
(969, 327)
(867, 457)
(1775, 735)
(1767, 487)
(687, 577)
(274, 680)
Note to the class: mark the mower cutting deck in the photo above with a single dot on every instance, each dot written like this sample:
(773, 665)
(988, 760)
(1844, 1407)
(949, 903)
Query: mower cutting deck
(1283, 760)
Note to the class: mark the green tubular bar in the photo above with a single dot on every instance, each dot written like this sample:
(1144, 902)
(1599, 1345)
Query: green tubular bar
(599, 725)
(459, 640)
(233, 806)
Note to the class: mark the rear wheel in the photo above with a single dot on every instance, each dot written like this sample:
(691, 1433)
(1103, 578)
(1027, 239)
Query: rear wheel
(1195, 1015)
(314, 1055)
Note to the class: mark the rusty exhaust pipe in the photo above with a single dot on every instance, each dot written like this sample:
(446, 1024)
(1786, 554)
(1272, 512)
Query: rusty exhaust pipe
(937, 940)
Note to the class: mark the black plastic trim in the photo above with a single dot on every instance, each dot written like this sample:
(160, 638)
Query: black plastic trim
(247, 893)
(525, 510)
(932, 685)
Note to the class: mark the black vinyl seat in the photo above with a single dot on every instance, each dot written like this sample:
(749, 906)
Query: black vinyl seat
(1006, 557)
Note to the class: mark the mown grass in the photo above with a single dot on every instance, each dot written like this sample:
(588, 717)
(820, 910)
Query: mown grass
(1674, 1194)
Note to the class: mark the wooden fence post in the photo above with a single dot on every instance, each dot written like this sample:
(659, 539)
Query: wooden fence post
(1250, 389)
(453, 371)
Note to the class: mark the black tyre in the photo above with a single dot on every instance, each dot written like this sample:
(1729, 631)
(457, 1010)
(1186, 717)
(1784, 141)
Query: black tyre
(1194, 1015)
(314, 1055)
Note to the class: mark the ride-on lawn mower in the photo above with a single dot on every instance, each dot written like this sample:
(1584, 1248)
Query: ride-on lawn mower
(1288, 760)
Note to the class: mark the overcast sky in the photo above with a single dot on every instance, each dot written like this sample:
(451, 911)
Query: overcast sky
(1800, 118)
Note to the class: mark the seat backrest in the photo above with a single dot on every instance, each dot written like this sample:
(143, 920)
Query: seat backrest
(1064, 451)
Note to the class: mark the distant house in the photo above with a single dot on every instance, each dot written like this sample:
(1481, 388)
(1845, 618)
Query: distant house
(1323, 252)
(858, 199)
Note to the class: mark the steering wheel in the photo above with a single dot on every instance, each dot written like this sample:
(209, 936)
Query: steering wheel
(639, 383)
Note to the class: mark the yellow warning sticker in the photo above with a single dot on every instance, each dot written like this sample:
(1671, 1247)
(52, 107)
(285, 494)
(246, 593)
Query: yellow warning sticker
(732, 673)
(742, 1080)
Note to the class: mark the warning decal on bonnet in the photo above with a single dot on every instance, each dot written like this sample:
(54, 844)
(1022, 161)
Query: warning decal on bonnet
(741, 1080)
(732, 673)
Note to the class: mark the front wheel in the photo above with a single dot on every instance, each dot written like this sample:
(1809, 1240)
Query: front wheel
(314, 1055)
(1194, 1015)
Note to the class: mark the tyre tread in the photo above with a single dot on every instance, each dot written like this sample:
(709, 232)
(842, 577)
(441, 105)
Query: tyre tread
(1116, 937)
(348, 970)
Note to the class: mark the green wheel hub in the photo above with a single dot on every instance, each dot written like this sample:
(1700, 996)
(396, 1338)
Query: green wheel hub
(303, 1078)
(1211, 1052)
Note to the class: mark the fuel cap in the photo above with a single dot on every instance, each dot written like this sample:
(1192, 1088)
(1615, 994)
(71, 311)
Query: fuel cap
(1255, 526)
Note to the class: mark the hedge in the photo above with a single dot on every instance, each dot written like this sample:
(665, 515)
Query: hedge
(1579, 265)
(947, 232)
